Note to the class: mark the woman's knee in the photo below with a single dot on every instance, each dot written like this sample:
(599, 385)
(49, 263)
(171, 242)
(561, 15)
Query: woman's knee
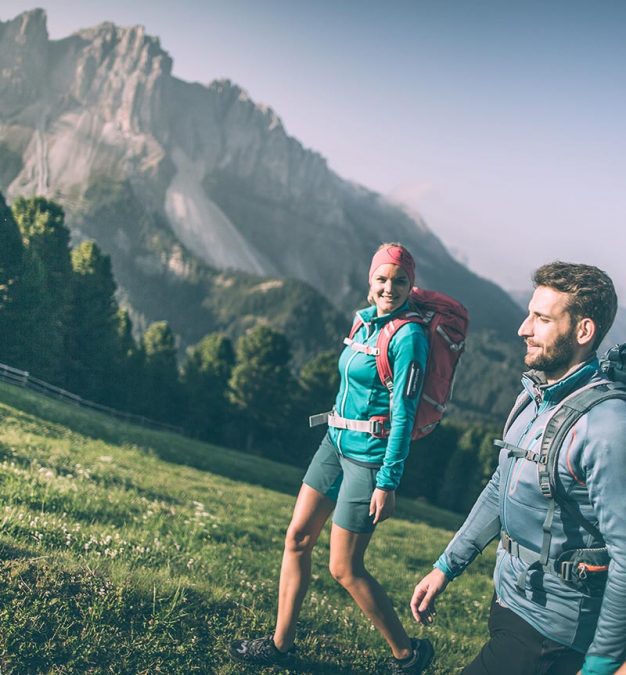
(345, 571)
(299, 540)
(339, 570)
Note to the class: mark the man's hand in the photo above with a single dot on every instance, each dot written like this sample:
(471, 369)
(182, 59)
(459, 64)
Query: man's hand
(382, 504)
(423, 600)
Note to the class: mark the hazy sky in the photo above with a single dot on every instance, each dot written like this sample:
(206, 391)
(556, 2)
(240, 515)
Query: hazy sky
(502, 123)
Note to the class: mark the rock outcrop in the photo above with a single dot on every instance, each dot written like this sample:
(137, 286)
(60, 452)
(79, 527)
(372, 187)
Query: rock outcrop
(205, 167)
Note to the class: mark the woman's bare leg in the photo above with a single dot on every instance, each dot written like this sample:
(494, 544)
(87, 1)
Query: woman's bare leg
(309, 515)
(347, 551)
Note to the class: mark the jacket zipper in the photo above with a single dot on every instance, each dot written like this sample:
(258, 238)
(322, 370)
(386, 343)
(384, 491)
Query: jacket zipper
(344, 398)
(342, 412)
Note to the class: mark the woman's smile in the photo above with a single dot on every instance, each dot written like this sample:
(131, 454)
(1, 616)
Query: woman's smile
(390, 288)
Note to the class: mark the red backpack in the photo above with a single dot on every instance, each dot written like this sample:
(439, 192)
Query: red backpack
(445, 321)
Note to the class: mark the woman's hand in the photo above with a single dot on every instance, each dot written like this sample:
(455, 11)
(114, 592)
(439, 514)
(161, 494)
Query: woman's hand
(382, 504)
(423, 600)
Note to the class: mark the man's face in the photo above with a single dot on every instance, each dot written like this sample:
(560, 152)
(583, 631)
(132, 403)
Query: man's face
(550, 333)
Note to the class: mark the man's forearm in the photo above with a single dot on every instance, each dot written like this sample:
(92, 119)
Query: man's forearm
(481, 526)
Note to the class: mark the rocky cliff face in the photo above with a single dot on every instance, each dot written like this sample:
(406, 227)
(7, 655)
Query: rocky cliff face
(198, 169)
(24, 48)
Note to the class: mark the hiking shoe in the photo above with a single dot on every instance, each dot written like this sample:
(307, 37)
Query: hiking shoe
(423, 653)
(260, 651)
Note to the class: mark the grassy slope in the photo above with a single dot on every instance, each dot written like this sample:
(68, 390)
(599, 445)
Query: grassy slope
(131, 551)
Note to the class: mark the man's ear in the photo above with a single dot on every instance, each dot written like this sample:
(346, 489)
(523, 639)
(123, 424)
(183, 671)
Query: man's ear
(586, 332)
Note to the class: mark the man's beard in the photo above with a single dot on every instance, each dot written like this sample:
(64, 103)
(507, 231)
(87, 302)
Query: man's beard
(556, 358)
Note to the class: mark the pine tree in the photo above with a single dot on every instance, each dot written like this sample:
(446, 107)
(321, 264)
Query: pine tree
(316, 392)
(428, 461)
(162, 389)
(11, 250)
(92, 324)
(462, 479)
(206, 373)
(43, 294)
(320, 381)
(127, 391)
(262, 387)
(11, 260)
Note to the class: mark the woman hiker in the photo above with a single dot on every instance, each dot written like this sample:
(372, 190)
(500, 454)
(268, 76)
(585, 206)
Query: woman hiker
(355, 475)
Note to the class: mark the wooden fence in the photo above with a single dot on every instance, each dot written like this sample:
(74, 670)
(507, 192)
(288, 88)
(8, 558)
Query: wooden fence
(21, 378)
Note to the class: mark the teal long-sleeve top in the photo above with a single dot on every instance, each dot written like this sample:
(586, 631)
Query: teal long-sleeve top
(362, 395)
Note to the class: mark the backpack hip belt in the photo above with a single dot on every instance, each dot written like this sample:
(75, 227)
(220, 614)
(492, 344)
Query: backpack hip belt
(584, 569)
(374, 425)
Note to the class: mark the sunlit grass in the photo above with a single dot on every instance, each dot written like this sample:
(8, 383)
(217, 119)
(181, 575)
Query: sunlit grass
(126, 550)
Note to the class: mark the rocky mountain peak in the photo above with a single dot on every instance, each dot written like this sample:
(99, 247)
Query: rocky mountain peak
(131, 47)
(28, 27)
(234, 94)
(23, 48)
(145, 162)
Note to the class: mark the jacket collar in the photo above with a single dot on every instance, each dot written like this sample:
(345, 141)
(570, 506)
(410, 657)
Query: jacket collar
(535, 383)
(368, 315)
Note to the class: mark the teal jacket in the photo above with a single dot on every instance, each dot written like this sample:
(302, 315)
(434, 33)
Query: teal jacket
(592, 471)
(362, 395)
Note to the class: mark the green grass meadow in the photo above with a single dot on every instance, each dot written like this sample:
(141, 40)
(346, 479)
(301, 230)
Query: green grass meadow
(125, 550)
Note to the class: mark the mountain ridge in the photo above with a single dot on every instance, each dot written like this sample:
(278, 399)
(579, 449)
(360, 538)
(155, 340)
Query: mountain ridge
(213, 172)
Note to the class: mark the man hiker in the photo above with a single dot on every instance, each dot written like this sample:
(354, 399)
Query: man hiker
(557, 499)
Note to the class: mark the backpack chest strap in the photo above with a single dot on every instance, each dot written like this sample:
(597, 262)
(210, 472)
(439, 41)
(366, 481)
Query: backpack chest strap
(518, 452)
(360, 347)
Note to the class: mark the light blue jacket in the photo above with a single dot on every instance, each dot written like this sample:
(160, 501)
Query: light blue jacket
(592, 470)
(362, 395)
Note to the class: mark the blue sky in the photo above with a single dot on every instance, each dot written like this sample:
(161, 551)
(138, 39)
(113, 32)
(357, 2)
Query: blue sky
(501, 122)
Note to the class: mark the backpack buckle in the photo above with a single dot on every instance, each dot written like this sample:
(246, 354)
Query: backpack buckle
(544, 485)
(507, 542)
(567, 567)
(388, 382)
(377, 426)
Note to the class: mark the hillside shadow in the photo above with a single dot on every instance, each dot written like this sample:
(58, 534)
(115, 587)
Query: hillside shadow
(10, 552)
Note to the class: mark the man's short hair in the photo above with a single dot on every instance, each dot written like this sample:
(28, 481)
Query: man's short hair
(591, 291)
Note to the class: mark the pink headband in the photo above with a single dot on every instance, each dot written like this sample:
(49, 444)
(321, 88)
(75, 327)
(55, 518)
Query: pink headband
(396, 255)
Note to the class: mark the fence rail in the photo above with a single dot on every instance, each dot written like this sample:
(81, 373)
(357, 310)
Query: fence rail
(21, 378)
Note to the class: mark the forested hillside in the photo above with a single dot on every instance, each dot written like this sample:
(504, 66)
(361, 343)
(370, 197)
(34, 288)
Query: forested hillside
(250, 385)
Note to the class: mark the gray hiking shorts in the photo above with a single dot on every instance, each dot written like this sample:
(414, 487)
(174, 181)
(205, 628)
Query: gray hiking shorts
(349, 484)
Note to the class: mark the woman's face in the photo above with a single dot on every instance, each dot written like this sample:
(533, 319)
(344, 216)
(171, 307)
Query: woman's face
(389, 288)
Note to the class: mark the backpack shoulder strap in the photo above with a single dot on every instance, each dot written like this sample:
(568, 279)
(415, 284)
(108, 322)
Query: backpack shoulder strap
(383, 365)
(355, 327)
(557, 428)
